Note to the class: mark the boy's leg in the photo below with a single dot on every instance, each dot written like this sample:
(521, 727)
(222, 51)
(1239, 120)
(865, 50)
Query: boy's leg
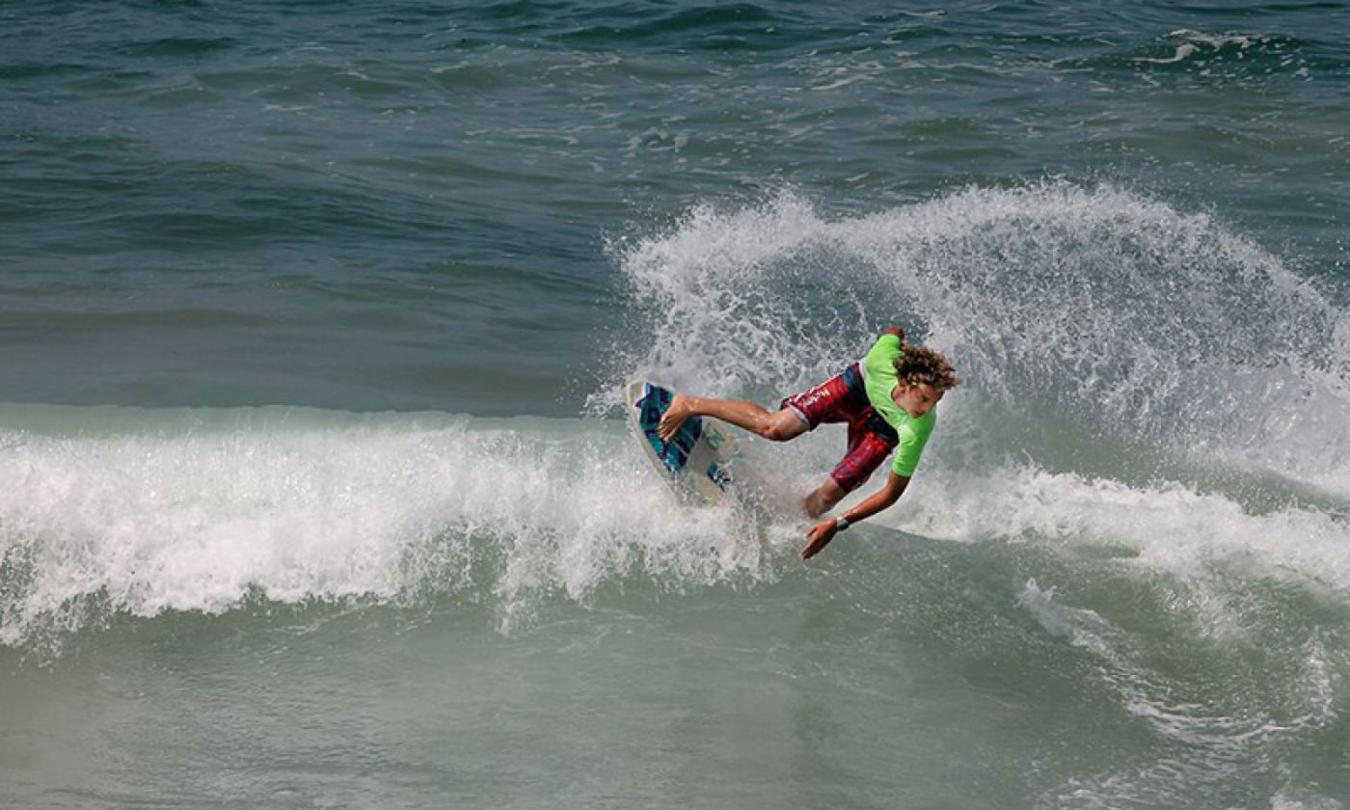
(867, 450)
(823, 498)
(834, 400)
(780, 426)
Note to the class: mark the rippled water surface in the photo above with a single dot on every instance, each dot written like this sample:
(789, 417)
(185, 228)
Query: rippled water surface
(313, 318)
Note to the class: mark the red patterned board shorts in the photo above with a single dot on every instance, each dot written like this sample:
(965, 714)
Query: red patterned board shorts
(843, 398)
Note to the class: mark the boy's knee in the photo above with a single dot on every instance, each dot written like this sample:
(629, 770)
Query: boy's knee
(783, 426)
(823, 499)
(830, 500)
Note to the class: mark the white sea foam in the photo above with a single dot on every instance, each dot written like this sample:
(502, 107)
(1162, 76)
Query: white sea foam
(145, 519)
(1097, 307)
(186, 518)
(1228, 55)
(1171, 527)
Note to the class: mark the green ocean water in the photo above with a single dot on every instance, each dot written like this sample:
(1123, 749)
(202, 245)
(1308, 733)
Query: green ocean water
(313, 319)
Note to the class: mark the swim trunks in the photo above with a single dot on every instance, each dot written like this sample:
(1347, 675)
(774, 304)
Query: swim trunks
(843, 398)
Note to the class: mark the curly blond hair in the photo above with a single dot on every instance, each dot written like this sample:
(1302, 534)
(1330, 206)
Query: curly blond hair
(920, 365)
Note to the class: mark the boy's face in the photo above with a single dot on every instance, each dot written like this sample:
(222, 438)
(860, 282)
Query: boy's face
(916, 400)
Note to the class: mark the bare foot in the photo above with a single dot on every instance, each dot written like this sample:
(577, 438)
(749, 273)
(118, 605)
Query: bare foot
(673, 418)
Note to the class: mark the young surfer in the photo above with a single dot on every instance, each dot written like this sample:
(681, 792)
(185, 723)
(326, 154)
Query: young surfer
(887, 400)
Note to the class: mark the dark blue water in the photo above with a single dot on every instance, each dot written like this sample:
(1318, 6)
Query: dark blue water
(370, 206)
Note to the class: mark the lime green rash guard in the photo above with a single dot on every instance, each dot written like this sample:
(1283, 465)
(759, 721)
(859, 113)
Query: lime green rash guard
(879, 378)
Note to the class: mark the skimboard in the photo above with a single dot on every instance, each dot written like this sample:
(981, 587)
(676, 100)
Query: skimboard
(697, 462)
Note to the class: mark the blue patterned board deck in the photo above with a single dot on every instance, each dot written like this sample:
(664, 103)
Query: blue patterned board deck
(654, 402)
(695, 460)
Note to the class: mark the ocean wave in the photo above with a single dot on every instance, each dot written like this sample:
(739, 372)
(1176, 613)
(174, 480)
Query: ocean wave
(141, 512)
(1110, 312)
(116, 511)
(1117, 327)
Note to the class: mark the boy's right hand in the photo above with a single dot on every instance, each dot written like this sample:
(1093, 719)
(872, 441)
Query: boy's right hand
(897, 331)
(820, 536)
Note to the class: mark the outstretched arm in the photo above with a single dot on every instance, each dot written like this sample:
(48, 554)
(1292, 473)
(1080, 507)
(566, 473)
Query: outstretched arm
(823, 532)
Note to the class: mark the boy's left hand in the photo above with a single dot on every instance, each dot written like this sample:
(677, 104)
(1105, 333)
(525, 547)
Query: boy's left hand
(820, 536)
